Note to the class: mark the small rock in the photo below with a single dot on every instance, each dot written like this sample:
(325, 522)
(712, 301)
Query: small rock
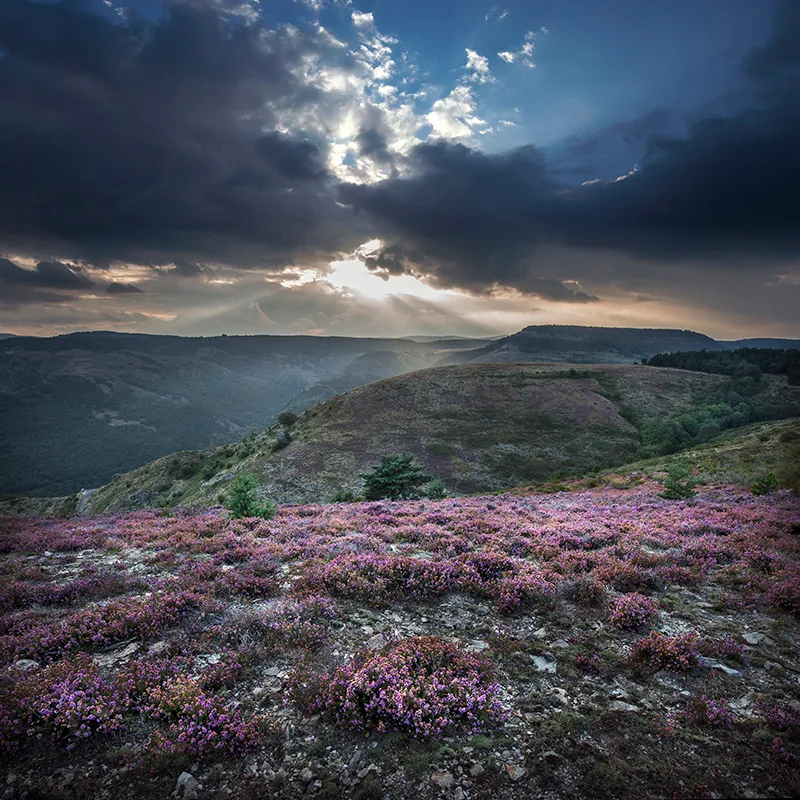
(539, 634)
(478, 646)
(754, 638)
(544, 664)
(368, 629)
(515, 772)
(560, 695)
(156, 648)
(443, 779)
(458, 794)
(560, 644)
(620, 705)
(476, 769)
(272, 672)
(26, 663)
(306, 775)
(375, 642)
(712, 664)
(354, 759)
(186, 786)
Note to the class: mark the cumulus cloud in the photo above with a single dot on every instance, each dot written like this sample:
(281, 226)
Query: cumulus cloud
(477, 68)
(525, 53)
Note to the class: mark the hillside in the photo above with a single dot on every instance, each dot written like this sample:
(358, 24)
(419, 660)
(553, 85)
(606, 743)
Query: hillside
(604, 643)
(76, 409)
(480, 427)
(593, 345)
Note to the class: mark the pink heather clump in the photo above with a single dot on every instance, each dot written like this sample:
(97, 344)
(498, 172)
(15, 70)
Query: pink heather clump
(704, 710)
(631, 611)
(785, 594)
(423, 685)
(674, 653)
(201, 725)
(70, 701)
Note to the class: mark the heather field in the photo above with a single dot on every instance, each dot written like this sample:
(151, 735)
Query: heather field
(595, 643)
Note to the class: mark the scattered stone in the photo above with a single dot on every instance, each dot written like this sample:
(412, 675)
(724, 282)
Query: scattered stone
(443, 779)
(620, 705)
(354, 759)
(754, 638)
(307, 775)
(712, 664)
(375, 642)
(560, 695)
(478, 646)
(476, 769)
(560, 644)
(26, 663)
(186, 786)
(110, 659)
(273, 672)
(515, 772)
(458, 794)
(544, 664)
(539, 634)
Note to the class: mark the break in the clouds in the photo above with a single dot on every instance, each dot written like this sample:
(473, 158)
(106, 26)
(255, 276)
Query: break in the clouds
(179, 163)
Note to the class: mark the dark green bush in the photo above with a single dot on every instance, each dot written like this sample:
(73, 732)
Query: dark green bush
(679, 483)
(766, 484)
(243, 500)
(397, 477)
(436, 489)
(287, 418)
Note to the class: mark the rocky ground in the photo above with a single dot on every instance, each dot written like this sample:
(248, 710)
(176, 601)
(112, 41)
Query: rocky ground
(610, 644)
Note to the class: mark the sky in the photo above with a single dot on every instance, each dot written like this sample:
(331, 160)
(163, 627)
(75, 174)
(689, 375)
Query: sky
(390, 168)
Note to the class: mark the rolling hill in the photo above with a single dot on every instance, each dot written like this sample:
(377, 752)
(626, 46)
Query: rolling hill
(76, 409)
(481, 427)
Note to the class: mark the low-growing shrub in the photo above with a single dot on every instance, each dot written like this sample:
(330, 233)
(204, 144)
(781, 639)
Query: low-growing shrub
(243, 500)
(766, 484)
(423, 685)
(704, 710)
(631, 611)
(674, 653)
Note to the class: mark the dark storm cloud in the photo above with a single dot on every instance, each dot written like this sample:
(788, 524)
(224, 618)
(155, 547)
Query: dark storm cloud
(46, 275)
(48, 282)
(123, 139)
(729, 189)
(122, 288)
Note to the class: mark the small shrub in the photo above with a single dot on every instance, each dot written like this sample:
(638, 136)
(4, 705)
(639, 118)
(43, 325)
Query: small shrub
(436, 490)
(631, 611)
(395, 478)
(674, 653)
(679, 484)
(243, 499)
(766, 484)
(423, 685)
(707, 711)
(344, 496)
(287, 418)
(282, 439)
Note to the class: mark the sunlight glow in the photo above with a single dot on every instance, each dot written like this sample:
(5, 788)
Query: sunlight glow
(353, 275)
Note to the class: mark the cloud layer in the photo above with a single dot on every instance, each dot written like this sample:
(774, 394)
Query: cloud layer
(205, 140)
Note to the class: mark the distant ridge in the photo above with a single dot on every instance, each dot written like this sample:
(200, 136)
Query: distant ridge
(596, 345)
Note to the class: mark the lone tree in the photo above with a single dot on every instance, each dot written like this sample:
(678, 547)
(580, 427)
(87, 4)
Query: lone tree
(395, 478)
(243, 499)
(679, 483)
